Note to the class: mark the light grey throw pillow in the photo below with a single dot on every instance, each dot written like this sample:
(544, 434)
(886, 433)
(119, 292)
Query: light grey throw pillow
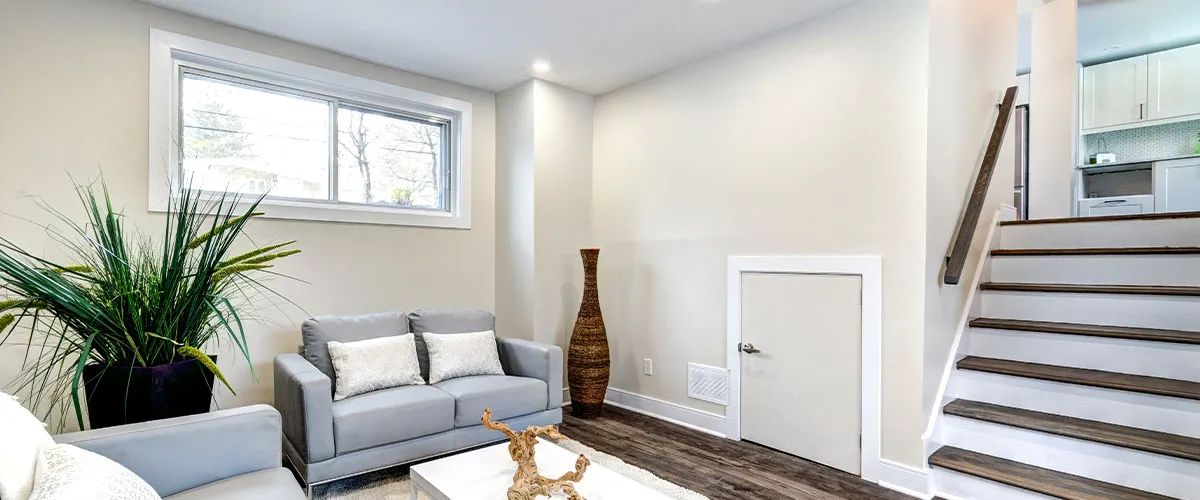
(374, 364)
(22, 435)
(454, 355)
(66, 472)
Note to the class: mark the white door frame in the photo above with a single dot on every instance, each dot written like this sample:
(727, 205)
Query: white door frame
(870, 269)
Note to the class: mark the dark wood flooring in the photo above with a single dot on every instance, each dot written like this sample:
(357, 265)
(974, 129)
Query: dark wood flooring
(718, 468)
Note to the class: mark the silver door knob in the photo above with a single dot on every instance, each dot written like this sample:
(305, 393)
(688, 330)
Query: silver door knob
(748, 348)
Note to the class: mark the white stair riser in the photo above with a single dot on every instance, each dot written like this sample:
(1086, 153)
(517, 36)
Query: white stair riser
(1178, 313)
(1169, 232)
(958, 486)
(1155, 359)
(1132, 409)
(1099, 269)
(1160, 474)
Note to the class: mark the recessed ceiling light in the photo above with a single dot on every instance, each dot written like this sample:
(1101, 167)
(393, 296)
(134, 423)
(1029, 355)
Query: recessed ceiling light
(541, 66)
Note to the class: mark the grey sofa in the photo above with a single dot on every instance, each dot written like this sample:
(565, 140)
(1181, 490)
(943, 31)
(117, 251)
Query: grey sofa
(224, 454)
(327, 440)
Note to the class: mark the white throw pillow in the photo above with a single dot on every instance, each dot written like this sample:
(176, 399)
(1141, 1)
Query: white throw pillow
(21, 436)
(66, 472)
(374, 364)
(454, 355)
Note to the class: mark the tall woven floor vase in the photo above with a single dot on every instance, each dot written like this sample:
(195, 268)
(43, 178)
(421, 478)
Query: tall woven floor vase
(587, 356)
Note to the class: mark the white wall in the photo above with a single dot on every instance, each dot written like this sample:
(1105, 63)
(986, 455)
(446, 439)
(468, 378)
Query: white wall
(515, 210)
(544, 136)
(74, 95)
(1053, 109)
(563, 207)
(972, 61)
(809, 142)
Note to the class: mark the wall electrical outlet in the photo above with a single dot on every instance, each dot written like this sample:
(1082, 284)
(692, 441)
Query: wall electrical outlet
(648, 366)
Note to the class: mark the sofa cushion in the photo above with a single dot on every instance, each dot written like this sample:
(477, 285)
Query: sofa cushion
(457, 355)
(22, 435)
(390, 416)
(506, 395)
(269, 484)
(446, 321)
(317, 332)
(374, 364)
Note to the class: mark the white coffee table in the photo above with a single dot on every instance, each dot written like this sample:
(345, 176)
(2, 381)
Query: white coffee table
(486, 474)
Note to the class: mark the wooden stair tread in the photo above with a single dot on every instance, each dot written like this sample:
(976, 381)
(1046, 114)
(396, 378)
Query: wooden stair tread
(1089, 430)
(1082, 376)
(1032, 478)
(1022, 252)
(1108, 331)
(1105, 218)
(1185, 291)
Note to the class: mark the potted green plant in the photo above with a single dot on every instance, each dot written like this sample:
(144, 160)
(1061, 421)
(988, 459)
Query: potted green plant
(127, 317)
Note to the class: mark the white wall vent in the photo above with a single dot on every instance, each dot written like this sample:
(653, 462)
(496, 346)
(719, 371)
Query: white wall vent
(708, 383)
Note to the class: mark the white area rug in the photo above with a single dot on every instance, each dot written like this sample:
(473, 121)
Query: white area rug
(393, 484)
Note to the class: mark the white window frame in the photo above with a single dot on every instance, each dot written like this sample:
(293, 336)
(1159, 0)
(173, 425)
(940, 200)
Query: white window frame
(170, 52)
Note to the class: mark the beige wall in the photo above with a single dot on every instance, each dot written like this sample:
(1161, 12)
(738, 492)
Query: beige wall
(972, 60)
(809, 142)
(515, 211)
(563, 145)
(544, 137)
(74, 95)
(1054, 109)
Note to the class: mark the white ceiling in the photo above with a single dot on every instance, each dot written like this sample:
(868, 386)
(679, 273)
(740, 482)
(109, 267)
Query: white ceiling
(594, 46)
(1114, 29)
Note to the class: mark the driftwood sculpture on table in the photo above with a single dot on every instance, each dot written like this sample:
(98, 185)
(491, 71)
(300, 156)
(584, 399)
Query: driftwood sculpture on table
(527, 483)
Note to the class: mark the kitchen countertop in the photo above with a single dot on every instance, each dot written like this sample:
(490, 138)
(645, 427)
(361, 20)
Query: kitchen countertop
(1136, 162)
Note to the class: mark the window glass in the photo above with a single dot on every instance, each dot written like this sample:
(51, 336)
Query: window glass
(253, 140)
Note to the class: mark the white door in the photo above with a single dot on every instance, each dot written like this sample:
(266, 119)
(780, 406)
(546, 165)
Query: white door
(801, 389)
(1114, 93)
(1174, 83)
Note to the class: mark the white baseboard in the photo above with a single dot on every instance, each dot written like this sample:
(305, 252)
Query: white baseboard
(908, 480)
(674, 413)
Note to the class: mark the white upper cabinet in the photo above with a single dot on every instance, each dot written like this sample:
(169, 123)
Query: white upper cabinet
(1174, 83)
(1162, 87)
(1114, 93)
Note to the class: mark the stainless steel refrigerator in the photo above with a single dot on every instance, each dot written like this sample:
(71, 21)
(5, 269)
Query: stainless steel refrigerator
(1021, 180)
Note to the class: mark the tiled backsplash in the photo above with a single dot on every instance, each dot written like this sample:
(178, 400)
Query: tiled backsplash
(1146, 143)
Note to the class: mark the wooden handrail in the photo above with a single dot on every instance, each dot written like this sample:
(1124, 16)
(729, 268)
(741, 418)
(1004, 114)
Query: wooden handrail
(957, 258)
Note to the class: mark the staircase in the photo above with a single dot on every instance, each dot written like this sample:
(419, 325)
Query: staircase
(1080, 377)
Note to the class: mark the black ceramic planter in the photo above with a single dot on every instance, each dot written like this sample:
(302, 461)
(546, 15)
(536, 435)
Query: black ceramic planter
(125, 395)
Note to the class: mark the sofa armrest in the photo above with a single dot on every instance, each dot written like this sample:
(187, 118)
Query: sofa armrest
(525, 358)
(304, 396)
(178, 454)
